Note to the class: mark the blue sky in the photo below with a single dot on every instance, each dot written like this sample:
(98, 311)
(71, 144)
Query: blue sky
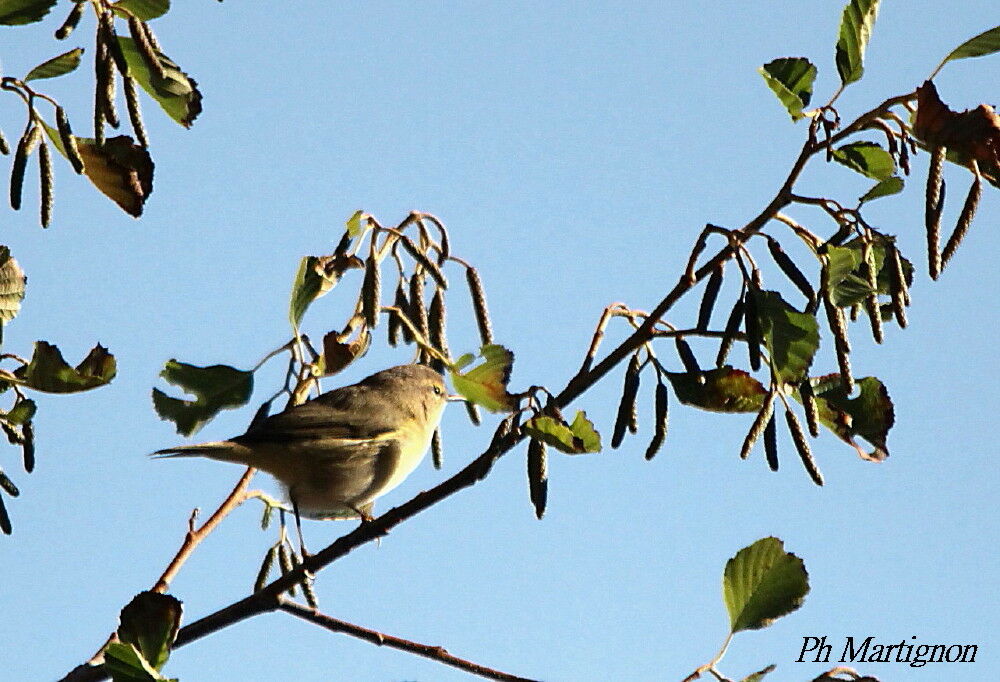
(574, 150)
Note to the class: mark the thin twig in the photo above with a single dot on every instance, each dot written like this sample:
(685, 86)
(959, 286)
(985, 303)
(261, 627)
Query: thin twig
(862, 121)
(435, 653)
(602, 324)
(192, 539)
(801, 232)
(681, 333)
(194, 536)
(586, 378)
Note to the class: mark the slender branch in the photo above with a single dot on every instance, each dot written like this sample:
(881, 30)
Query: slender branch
(710, 666)
(705, 333)
(602, 324)
(803, 233)
(585, 379)
(418, 338)
(506, 436)
(701, 242)
(829, 205)
(191, 540)
(864, 119)
(281, 349)
(435, 653)
(267, 599)
(194, 536)
(719, 676)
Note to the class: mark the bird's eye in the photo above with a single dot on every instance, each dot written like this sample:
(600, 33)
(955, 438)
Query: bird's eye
(437, 390)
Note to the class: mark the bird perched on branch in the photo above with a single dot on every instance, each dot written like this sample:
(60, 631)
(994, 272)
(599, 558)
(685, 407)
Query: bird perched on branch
(337, 453)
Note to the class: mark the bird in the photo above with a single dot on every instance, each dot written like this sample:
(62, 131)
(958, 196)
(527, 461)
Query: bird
(337, 453)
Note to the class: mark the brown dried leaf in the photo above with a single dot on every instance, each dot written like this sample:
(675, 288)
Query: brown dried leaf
(121, 169)
(974, 133)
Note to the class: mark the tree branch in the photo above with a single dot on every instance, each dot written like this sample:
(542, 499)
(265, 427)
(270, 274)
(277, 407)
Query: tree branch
(191, 540)
(506, 436)
(435, 653)
(588, 376)
(194, 537)
(269, 598)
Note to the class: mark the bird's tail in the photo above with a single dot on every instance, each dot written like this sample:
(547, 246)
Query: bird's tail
(223, 450)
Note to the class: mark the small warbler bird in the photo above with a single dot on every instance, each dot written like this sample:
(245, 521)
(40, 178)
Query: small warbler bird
(337, 453)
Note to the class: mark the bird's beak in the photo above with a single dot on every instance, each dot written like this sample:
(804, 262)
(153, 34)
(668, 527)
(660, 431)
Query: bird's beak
(455, 398)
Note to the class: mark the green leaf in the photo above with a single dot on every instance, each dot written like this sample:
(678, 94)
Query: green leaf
(573, 439)
(57, 66)
(870, 415)
(887, 187)
(855, 30)
(126, 664)
(852, 291)
(852, 287)
(120, 169)
(306, 288)
(486, 384)
(983, 44)
(18, 12)
(463, 361)
(867, 158)
(585, 432)
(719, 390)
(554, 432)
(149, 623)
(23, 411)
(316, 276)
(12, 281)
(791, 337)
(791, 79)
(48, 372)
(176, 92)
(144, 10)
(762, 583)
(353, 224)
(759, 675)
(215, 388)
(840, 262)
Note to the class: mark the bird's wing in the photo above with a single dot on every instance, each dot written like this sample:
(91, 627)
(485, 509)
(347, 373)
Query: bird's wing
(344, 414)
(385, 467)
(352, 477)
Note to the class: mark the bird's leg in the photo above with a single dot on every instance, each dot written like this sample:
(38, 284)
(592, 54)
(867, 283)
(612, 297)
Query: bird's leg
(364, 512)
(298, 526)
